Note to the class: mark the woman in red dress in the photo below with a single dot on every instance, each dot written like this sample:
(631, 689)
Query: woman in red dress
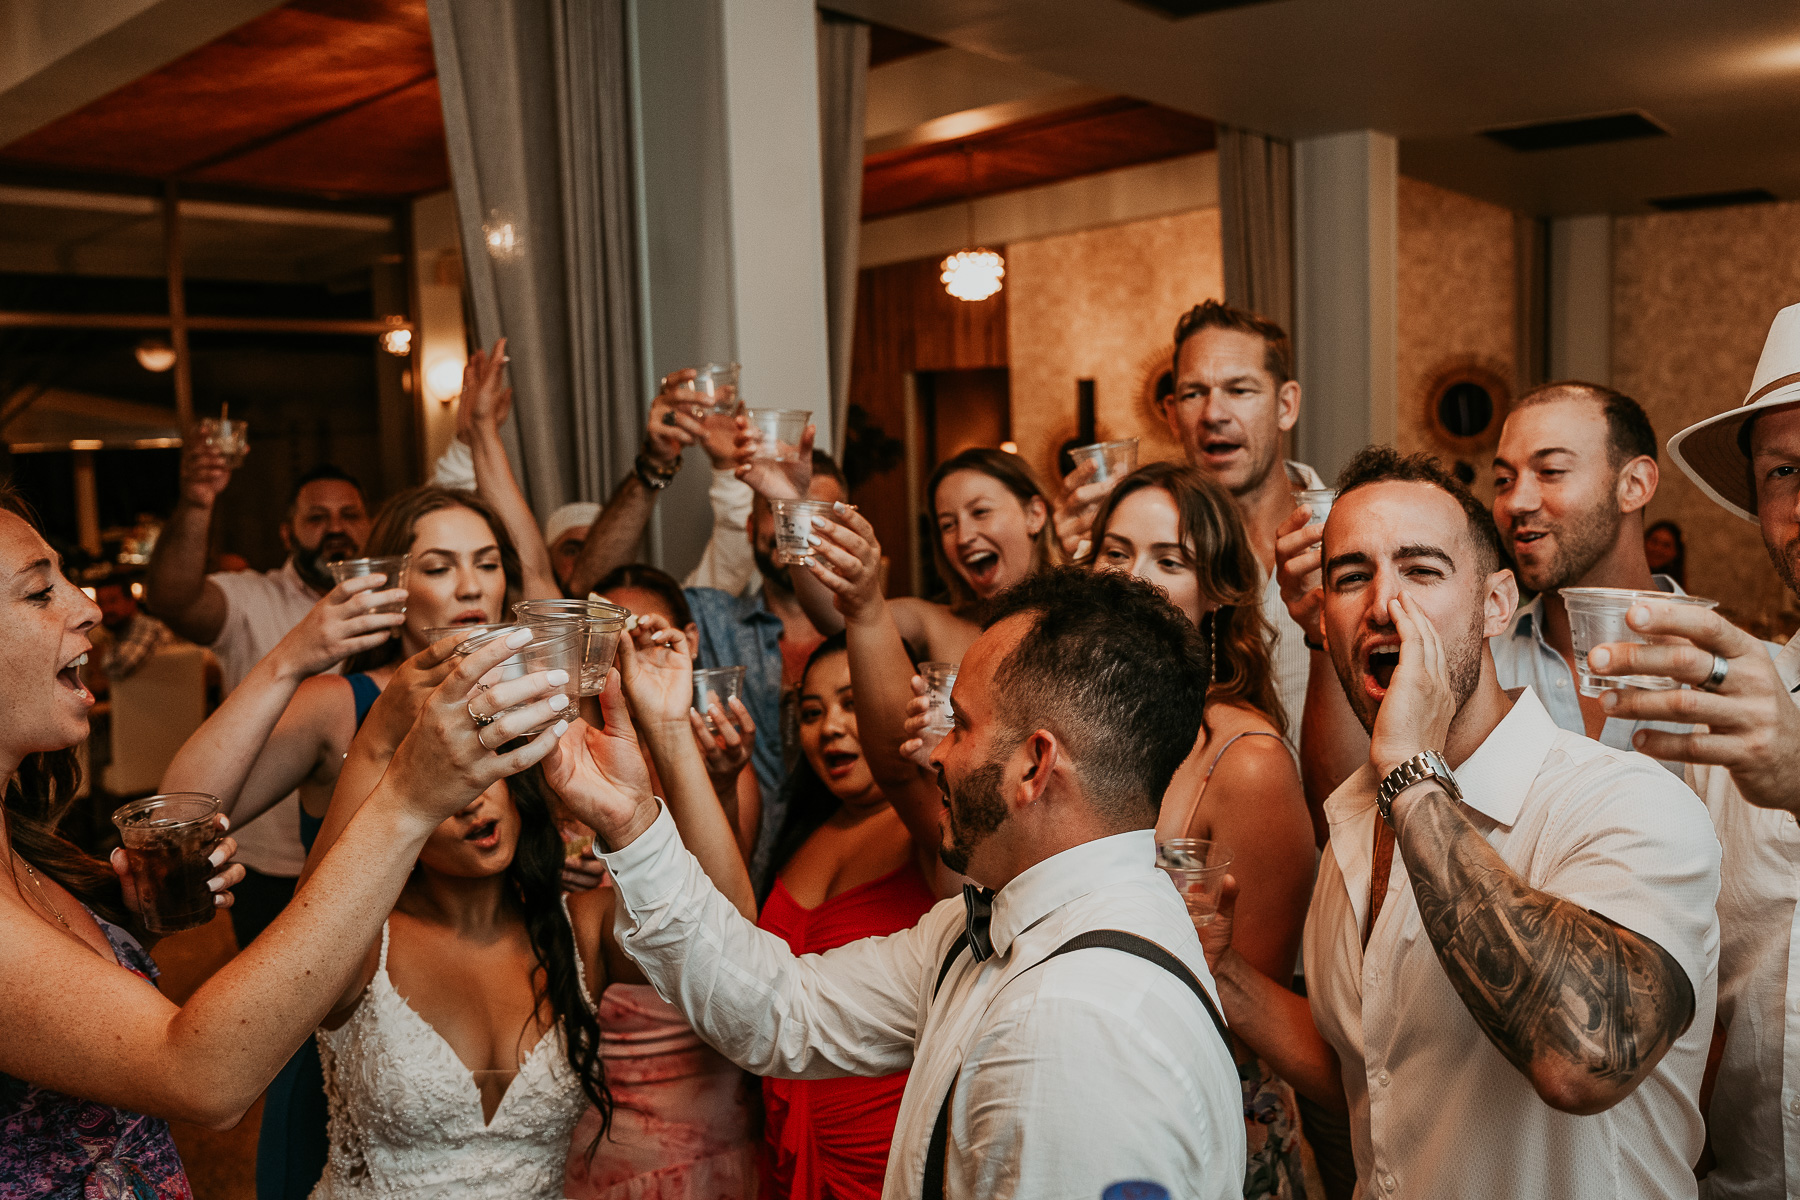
(846, 867)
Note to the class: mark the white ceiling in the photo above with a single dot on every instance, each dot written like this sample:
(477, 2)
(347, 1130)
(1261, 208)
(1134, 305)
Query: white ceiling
(1722, 75)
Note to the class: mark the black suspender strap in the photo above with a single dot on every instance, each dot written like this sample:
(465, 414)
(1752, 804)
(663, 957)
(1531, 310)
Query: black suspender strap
(1104, 939)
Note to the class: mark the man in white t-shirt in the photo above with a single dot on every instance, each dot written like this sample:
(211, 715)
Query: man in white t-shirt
(1511, 953)
(240, 615)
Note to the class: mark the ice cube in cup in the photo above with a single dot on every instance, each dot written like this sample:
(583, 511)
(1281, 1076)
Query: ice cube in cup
(168, 843)
(794, 526)
(1597, 616)
(1197, 868)
(392, 566)
(230, 438)
(721, 684)
(1112, 460)
(779, 432)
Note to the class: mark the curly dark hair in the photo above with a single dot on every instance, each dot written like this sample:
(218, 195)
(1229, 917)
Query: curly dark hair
(535, 879)
(1115, 671)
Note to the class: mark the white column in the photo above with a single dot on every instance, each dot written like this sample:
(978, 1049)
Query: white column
(1346, 300)
(1580, 300)
(732, 237)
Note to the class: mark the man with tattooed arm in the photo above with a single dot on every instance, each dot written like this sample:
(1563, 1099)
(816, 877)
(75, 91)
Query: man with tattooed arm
(1512, 947)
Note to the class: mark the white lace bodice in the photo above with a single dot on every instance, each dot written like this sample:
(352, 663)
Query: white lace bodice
(406, 1116)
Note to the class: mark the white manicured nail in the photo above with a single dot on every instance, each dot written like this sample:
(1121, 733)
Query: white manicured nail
(559, 701)
(558, 677)
(560, 728)
(517, 638)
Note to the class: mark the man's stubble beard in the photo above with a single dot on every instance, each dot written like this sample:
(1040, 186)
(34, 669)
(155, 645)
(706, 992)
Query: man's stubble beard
(1581, 542)
(1464, 669)
(1786, 560)
(976, 810)
(310, 564)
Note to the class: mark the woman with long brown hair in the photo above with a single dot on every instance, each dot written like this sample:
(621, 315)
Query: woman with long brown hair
(95, 1062)
(994, 529)
(1174, 527)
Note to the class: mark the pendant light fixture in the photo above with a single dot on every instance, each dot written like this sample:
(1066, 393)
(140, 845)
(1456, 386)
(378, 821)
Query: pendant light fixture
(974, 272)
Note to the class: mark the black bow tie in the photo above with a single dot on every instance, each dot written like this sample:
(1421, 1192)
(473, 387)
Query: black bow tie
(978, 903)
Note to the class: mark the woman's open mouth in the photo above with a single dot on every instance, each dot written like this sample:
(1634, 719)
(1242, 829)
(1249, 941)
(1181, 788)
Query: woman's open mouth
(484, 836)
(981, 566)
(70, 677)
(839, 763)
(473, 616)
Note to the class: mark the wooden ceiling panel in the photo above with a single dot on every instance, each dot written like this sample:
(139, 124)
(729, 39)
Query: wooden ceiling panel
(1102, 136)
(401, 152)
(301, 67)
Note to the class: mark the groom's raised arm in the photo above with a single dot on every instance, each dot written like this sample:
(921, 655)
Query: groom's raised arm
(850, 1011)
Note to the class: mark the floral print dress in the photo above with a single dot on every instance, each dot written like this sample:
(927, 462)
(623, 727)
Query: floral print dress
(57, 1147)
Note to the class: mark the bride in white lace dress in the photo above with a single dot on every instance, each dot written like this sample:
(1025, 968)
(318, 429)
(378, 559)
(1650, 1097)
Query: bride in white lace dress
(466, 1048)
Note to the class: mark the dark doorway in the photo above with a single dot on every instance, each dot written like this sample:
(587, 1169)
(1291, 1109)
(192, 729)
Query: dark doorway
(958, 410)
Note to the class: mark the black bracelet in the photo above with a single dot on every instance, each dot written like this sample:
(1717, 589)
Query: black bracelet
(652, 476)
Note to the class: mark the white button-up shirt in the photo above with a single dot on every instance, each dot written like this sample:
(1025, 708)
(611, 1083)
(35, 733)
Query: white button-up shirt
(1755, 1117)
(1092, 1068)
(1436, 1111)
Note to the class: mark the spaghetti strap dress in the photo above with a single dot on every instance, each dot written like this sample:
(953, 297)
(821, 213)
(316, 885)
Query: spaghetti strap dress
(292, 1144)
(62, 1147)
(1271, 1115)
(828, 1138)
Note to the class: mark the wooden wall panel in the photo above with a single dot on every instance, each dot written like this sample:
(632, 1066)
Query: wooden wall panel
(906, 322)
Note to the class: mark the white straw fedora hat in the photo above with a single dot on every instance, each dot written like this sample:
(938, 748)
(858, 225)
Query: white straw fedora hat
(1715, 452)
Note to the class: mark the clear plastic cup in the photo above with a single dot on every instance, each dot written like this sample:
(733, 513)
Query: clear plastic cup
(723, 684)
(1112, 460)
(599, 623)
(1597, 616)
(939, 678)
(1197, 868)
(393, 566)
(793, 526)
(552, 647)
(168, 840)
(230, 438)
(1318, 500)
(780, 431)
(718, 383)
(434, 636)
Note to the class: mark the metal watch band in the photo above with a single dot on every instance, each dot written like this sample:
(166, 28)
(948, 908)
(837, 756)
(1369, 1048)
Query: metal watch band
(1427, 764)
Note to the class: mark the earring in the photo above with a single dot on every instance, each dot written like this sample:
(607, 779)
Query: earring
(1208, 626)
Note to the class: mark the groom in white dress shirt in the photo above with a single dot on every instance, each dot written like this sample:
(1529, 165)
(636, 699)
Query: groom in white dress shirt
(1072, 712)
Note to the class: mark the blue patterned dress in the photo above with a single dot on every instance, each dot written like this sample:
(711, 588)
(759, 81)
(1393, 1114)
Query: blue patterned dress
(57, 1147)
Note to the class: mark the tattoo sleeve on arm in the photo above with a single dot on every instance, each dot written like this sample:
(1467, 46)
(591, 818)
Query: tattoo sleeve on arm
(1584, 1008)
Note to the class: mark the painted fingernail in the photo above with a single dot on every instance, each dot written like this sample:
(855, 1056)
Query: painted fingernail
(224, 821)
(1599, 658)
(1638, 739)
(559, 701)
(561, 727)
(840, 507)
(1639, 613)
(216, 884)
(517, 638)
(558, 677)
(812, 539)
(216, 858)
(1609, 699)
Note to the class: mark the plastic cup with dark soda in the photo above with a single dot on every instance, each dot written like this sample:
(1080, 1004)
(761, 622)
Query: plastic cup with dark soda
(168, 843)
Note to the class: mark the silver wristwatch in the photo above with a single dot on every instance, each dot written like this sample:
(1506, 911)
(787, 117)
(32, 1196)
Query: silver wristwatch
(1427, 764)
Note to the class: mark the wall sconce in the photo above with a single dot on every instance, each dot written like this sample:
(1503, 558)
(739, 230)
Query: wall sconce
(443, 380)
(397, 342)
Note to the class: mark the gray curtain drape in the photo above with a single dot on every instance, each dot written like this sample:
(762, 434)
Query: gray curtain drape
(843, 88)
(1256, 217)
(537, 117)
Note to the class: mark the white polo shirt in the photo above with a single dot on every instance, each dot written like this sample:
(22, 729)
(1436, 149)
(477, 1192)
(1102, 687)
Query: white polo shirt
(1755, 1117)
(260, 608)
(1436, 1111)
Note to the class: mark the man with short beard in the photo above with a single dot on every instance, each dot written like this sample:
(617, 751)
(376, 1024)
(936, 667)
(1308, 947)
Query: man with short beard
(241, 615)
(1574, 470)
(1745, 753)
(1511, 948)
(1058, 1030)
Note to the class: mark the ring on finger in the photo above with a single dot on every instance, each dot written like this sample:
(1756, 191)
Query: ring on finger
(1720, 665)
(480, 721)
(482, 740)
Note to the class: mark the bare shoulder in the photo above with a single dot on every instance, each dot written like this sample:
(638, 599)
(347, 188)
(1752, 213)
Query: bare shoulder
(933, 629)
(1249, 753)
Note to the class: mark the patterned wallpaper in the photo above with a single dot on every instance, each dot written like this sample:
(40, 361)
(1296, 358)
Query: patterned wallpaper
(1693, 295)
(1102, 305)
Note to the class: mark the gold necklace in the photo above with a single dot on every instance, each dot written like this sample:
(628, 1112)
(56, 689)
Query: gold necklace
(45, 897)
